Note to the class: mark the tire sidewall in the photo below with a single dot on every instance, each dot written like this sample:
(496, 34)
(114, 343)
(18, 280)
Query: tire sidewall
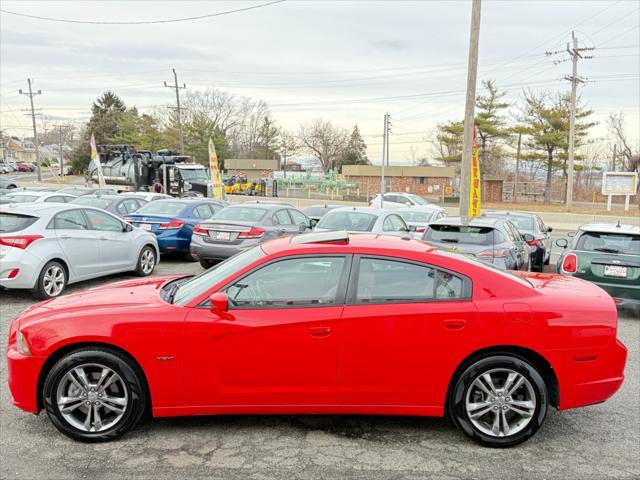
(39, 290)
(463, 383)
(139, 269)
(135, 390)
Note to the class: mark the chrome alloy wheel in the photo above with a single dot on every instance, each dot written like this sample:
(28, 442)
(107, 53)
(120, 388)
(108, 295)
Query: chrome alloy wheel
(147, 261)
(92, 397)
(53, 280)
(500, 402)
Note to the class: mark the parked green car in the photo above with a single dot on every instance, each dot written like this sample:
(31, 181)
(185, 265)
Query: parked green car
(607, 255)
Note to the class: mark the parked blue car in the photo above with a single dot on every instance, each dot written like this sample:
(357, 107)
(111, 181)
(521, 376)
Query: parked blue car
(172, 221)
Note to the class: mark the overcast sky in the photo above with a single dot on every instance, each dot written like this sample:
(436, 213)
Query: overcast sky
(336, 60)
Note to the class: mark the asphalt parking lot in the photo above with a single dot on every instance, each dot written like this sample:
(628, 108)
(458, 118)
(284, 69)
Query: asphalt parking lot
(601, 441)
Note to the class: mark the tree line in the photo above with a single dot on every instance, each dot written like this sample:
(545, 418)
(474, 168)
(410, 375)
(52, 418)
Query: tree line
(239, 126)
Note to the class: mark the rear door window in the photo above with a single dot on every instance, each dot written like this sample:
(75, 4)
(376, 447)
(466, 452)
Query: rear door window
(299, 218)
(385, 281)
(281, 217)
(103, 222)
(70, 220)
(202, 211)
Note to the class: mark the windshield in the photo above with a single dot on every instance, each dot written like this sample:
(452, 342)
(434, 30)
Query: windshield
(92, 201)
(416, 199)
(351, 221)
(19, 198)
(241, 214)
(520, 221)
(194, 174)
(196, 286)
(626, 244)
(459, 234)
(161, 207)
(10, 222)
(416, 216)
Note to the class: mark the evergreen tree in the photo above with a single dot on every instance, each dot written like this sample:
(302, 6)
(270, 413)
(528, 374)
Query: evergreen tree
(355, 152)
(106, 111)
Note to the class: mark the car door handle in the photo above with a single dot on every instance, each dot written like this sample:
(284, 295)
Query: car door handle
(454, 324)
(64, 237)
(104, 238)
(320, 331)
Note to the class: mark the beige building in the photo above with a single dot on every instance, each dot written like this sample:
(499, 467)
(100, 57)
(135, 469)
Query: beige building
(253, 168)
(15, 151)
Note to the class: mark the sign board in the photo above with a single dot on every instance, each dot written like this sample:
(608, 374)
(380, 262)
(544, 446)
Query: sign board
(474, 192)
(216, 179)
(619, 183)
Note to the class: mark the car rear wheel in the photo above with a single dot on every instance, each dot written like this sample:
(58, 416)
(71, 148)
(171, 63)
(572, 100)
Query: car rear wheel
(146, 261)
(499, 401)
(94, 395)
(190, 258)
(51, 282)
(206, 264)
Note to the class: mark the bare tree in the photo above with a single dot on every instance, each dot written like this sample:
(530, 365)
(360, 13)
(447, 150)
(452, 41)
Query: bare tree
(324, 141)
(288, 145)
(628, 153)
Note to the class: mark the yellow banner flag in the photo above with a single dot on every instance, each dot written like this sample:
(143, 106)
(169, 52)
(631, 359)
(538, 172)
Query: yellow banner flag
(96, 160)
(216, 180)
(475, 194)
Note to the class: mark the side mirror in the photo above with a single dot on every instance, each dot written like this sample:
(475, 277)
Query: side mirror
(571, 234)
(528, 237)
(412, 228)
(219, 302)
(127, 227)
(562, 243)
(549, 229)
(314, 222)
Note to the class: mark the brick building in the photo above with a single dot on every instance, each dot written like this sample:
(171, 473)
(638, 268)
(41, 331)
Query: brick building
(424, 181)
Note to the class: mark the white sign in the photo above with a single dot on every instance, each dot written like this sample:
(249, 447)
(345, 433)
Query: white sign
(619, 183)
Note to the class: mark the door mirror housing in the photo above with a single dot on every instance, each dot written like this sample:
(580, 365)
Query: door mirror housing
(549, 229)
(127, 227)
(528, 237)
(562, 243)
(219, 302)
(412, 228)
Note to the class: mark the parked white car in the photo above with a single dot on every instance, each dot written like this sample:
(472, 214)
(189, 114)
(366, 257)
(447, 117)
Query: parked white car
(30, 196)
(148, 196)
(396, 200)
(46, 246)
(363, 219)
(419, 217)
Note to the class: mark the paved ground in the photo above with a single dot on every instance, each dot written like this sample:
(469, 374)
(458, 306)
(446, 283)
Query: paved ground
(601, 441)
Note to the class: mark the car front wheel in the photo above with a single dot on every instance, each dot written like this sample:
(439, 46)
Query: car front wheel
(499, 401)
(146, 261)
(94, 395)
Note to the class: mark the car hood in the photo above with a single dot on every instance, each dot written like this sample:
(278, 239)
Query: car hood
(114, 296)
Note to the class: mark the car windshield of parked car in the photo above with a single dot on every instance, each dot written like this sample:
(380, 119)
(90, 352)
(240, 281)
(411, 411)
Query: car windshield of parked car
(161, 207)
(197, 285)
(351, 221)
(241, 214)
(417, 200)
(19, 198)
(522, 222)
(416, 216)
(92, 201)
(609, 243)
(459, 234)
(11, 222)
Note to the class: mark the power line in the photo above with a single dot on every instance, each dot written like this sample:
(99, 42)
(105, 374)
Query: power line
(141, 22)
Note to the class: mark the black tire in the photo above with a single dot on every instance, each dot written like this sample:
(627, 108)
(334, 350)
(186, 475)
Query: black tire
(458, 396)
(206, 264)
(40, 290)
(143, 258)
(546, 262)
(133, 383)
(190, 258)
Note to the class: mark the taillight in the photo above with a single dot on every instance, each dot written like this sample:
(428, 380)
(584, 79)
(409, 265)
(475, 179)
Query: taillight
(370, 202)
(535, 243)
(255, 232)
(22, 241)
(172, 225)
(499, 252)
(421, 230)
(570, 263)
(198, 230)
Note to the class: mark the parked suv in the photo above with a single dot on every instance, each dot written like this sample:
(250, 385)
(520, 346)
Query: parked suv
(396, 200)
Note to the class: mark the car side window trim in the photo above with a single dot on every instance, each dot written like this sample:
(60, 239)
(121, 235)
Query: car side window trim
(352, 287)
(341, 290)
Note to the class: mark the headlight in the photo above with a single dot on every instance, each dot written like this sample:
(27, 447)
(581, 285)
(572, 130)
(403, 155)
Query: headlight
(23, 346)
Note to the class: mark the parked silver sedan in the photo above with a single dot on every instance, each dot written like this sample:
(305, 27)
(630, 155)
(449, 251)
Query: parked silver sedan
(419, 217)
(35, 196)
(363, 219)
(46, 246)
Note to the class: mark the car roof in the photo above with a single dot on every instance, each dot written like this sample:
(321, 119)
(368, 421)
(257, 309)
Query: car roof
(39, 208)
(31, 193)
(610, 228)
(508, 213)
(475, 222)
(102, 195)
(371, 210)
(430, 207)
(356, 240)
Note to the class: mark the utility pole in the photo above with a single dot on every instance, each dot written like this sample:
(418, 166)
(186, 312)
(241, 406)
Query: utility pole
(32, 94)
(178, 110)
(61, 153)
(472, 73)
(515, 181)
(385, 144)
(388, 132)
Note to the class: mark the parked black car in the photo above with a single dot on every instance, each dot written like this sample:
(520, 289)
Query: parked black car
(489, 240)
(532, 224)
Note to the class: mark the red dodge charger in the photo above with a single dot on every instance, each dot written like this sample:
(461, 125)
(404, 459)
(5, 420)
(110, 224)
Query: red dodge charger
(322, 323)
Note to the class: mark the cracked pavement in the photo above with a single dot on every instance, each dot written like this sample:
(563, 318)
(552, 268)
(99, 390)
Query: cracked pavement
(596, 442)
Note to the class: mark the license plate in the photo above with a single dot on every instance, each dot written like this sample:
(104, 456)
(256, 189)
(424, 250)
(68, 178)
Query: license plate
(221, 235)
(146, 226)
(615, 271)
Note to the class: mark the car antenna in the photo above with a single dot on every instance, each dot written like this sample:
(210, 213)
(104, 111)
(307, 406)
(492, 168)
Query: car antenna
(618, 225)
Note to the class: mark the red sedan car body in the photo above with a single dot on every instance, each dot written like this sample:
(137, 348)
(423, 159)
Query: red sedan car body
(23, 167)
(348, 355)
